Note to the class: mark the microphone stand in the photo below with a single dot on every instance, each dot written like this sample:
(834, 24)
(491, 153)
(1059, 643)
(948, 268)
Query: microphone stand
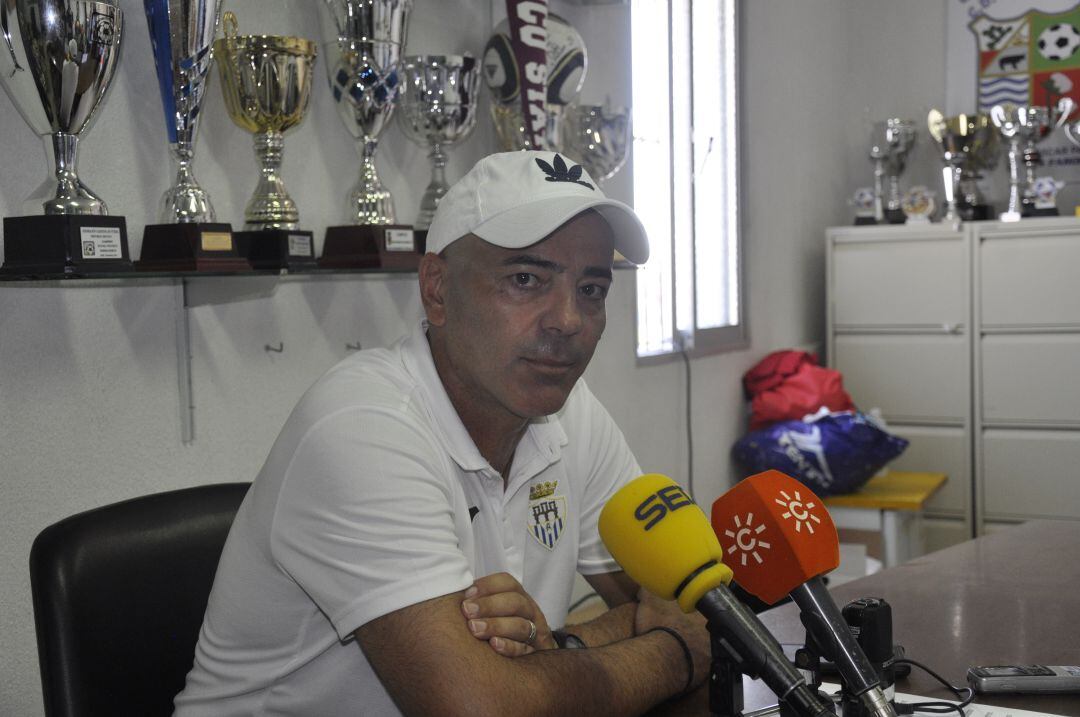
(834, 640)
(870, 620)
(737, 635)
(725, 682)
(808, 662)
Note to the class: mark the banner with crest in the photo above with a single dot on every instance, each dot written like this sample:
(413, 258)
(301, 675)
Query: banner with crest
(1032, 59)
(1020, 52)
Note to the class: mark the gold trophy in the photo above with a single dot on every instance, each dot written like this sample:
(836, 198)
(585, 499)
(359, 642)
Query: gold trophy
(266, 82)
(969, 145)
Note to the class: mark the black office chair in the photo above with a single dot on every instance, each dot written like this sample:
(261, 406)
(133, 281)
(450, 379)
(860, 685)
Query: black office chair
(119, 596)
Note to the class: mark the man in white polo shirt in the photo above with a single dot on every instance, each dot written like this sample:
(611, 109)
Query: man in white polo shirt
(417, 526)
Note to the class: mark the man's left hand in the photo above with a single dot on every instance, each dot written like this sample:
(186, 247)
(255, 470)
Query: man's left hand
(498, 610)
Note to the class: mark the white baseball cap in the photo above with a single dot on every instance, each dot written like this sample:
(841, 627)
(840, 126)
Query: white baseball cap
(515, 199)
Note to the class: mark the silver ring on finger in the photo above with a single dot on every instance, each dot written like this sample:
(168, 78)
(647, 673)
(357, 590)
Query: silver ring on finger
(532, 633)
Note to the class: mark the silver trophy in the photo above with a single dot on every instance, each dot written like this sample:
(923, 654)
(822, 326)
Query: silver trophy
(1023, 127)
(438, 108)
(182, 38)
(596, 136)
(969, 146)
(1066, 106)
(363, 40)
(862, 200)
(890, 142)
(57, 65)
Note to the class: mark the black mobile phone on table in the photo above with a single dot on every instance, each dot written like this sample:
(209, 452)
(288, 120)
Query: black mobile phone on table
(1036, 679)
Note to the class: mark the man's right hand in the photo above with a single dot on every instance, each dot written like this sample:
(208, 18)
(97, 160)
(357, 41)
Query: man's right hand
(499, 611)
(653, 612)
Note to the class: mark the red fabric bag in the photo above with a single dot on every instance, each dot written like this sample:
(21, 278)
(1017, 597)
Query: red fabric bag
(787, 385)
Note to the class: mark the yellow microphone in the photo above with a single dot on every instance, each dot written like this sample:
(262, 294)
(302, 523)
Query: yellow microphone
(663, 540)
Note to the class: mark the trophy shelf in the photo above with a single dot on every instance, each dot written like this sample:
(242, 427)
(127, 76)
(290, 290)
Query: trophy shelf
(620, 264)
(127, 275)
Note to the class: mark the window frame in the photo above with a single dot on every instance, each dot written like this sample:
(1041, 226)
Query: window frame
(719, 339)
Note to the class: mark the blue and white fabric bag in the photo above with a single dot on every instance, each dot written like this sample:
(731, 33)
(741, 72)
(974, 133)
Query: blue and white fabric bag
(832, 453)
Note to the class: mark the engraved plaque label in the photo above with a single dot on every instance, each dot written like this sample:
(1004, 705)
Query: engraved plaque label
(216, 241)
(400, 240)
(101, 243)
(300, 245)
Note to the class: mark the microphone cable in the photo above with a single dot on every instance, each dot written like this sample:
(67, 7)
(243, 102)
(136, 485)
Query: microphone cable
(935, 707)
(689, 429)
(582, 600)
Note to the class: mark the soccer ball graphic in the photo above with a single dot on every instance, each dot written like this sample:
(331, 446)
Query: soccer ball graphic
(565, 63)
(1058, 42)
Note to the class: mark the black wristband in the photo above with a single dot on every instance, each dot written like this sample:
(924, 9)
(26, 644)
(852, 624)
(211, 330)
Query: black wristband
(686, 653)
(567, 640)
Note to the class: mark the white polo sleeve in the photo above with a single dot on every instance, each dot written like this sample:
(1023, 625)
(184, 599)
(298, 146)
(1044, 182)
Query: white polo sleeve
(364, 521)
(607, 465)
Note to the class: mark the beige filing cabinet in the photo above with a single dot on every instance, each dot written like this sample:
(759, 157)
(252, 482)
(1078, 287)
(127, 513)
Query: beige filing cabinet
(899, 329)
(968, 339)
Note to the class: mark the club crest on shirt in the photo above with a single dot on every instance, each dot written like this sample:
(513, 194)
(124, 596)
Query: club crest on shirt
(546, 513)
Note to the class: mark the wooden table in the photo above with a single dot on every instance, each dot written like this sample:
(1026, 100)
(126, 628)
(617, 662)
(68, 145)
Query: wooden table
(892, 504)
(1008, 598)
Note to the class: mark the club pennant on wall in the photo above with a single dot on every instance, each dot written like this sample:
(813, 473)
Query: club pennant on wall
(1032, 59)
(528, 40)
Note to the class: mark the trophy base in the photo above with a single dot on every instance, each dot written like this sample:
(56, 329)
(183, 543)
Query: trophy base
(860, 221)
(383, 246)
(1041, 212)
(895, 216)
(973, 212)
(190, 247)
(67, 244)
(276, 249)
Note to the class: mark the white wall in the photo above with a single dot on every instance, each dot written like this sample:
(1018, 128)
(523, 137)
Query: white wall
(89, 406)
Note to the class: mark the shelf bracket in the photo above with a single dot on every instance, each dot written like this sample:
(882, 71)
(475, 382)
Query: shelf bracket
(183, 363)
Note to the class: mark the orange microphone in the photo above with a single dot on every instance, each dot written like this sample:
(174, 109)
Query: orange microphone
(779, 540)
(776, 534)
(663, 541)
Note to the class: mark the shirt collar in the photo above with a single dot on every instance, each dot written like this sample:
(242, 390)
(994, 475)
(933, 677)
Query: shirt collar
(540, 446)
